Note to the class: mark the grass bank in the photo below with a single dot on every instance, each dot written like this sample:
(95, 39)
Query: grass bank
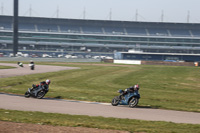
(166, 87)
(96, 122)
(6, 67)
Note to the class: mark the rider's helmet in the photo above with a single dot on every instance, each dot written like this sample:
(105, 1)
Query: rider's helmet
(136, 87)
(48, 81)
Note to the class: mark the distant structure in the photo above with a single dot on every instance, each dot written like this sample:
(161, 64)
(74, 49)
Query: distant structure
(55, 36)
(15, 28)
(110, 14)
(136, 15)
(30, 11)
(162, 16)
(188, 17)
(2, 9)
(84, 13)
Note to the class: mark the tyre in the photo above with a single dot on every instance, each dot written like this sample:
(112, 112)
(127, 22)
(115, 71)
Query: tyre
(27, 94)
(41, 94)
(115, 101)
(32, 68)
(133, 102)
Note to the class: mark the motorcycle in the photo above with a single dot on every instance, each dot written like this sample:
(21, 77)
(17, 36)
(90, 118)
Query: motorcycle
(131, 99)
(20, 64)
(32, 66)
(36, 92)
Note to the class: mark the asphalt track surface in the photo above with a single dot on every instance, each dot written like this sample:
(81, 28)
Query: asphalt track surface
(19, 71)
(19, 102)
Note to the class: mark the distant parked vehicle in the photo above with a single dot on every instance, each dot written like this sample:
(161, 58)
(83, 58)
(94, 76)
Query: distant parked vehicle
(170, 60)
(108, 57)
(71, 57)
(60, 55)
(46, 56)
(68, 56)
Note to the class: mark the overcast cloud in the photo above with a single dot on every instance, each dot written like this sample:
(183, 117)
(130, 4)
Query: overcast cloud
(123, 10)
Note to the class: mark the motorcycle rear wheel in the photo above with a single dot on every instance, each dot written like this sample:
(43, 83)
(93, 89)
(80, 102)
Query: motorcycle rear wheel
(40, 94)
(115, 101)
(133, 102)
(27, 94)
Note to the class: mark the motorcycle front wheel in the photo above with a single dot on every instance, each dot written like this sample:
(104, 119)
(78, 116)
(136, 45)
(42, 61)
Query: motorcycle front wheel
(27, 94)
(133, 102)
(115, 101)
(40, 94)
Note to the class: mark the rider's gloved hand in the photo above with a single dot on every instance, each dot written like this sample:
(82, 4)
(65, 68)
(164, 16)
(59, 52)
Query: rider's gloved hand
(33, 86)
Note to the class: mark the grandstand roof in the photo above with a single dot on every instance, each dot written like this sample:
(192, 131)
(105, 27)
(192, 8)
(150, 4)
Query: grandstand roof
(86, 22)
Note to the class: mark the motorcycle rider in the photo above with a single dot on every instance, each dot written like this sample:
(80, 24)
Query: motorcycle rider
(32, 65)
(43, 84)
(20, 64)
(131, 89)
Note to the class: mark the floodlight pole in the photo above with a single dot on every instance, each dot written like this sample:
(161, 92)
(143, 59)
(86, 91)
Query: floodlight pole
(15, 28)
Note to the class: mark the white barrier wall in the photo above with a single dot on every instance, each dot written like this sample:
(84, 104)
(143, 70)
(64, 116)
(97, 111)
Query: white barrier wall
(138, 62)
(47, 59)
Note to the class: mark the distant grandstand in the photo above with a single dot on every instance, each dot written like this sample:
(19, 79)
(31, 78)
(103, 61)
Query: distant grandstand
(51, 35)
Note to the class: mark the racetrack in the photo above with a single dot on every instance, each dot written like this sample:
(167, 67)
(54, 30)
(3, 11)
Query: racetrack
(17, 102)
(18, 71)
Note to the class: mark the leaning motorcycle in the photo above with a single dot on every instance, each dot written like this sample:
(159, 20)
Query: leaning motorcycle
(36, 92)
(131, 99)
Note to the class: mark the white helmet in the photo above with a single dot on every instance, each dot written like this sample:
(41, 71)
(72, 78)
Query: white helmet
(136, 87)
(48, 81)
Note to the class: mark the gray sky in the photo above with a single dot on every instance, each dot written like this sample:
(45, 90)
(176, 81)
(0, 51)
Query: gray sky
(123, 10)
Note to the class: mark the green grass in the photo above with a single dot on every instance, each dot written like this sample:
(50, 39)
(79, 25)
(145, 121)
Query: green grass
(166, 87)
(6, 67)
(96, 122)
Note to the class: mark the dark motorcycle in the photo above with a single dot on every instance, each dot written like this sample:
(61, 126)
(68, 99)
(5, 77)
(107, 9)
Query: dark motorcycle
(131, 99)
(36, 92)
(32, 66)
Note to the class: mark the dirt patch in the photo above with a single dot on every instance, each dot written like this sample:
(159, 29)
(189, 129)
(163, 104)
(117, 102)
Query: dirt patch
(12, 127)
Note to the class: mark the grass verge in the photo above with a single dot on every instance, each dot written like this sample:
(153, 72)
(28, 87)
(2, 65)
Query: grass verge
(166, 87)
(6, 67)
(96, 122)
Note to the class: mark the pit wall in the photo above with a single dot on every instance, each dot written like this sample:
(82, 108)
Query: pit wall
(128, 62)
(138, 62)
(27, 59)
(167, 63)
